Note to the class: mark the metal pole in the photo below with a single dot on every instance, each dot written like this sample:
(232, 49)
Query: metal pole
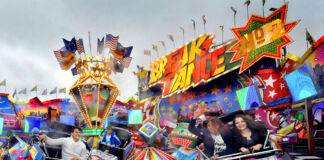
(309, 124)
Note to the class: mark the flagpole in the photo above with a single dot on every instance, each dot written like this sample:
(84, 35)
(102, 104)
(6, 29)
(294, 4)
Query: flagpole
(182, 35)
(263, 10)
(234, 20)
(247, 11)
(306, 40)
(90, 44)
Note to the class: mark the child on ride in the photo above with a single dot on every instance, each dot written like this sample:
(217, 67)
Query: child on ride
(110, 139)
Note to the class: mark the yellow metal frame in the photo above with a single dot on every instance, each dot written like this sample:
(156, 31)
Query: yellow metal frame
(98, 80)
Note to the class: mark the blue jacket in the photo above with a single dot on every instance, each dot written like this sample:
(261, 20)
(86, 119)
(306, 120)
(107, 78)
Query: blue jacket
(114, 140)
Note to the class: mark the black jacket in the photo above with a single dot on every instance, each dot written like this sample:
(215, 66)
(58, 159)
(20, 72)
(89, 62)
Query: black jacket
(208, 140)
(241, 141)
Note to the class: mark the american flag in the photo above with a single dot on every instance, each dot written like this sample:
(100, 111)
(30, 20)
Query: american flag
(80, 46)
(58, 56)
(126, 61)
(147, 52)
(111, 42)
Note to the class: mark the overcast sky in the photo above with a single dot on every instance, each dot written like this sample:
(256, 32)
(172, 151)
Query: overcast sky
(31, 29)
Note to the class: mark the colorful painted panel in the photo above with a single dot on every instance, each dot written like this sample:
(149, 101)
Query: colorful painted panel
(249, 97)
(301, 83)
(32, 124)
(135, 117)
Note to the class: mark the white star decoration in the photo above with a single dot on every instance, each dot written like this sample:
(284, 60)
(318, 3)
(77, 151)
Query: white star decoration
(270, 81)
(257, 117)
(282, 86)
(287, 65)
(273, 115)
(283, 74)
(272, 93)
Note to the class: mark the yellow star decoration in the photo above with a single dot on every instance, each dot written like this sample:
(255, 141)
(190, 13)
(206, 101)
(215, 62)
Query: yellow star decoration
(218, 103)
(171, 100)
(163, 108)
(190, 106)
(229, 104)
(236, 98)
(225, 99)
(174, 112)
(170, 115)
(163, 113)
(226, 110)
(228, 88)
(171, 109)
(203, 93)
(214, 91)
(183, 108)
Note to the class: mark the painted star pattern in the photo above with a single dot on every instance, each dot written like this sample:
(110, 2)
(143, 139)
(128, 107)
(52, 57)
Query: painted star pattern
(270, 81)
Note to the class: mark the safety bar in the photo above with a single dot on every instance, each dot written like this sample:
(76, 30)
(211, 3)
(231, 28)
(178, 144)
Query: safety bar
(248, 155)
(202, 153)
(266, 140)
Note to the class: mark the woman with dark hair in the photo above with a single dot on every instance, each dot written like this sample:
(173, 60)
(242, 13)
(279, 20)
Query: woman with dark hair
(216, 140)
(249, 135)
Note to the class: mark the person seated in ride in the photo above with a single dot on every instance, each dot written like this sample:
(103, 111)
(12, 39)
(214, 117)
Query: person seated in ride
(216, 140)
(111, 140)
(72, 147)
(248, 135)
(201, 119)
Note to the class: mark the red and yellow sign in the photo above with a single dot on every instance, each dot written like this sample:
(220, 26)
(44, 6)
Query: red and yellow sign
(192, 64)
(262, 37)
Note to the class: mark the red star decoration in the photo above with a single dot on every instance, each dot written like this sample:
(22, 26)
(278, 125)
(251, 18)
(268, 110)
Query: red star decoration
(228, 88)
(171, 100)
(203, 93)
(248, 58)
(214, 91)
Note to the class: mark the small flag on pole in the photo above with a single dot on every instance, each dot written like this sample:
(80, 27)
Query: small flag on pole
(309, 37)
(163, 43)
(147, 52)
(171, 38)
(53, 91)
(232, 8)
(80, 46)
(204, 19)
(247, 2)
(155, 47)
(34, 88)
(100, 46)
(15, 92)
(263, 2)
(62, 90)
(193, 23)
(222, 27)
(24, 91)
(44, 92)
(3, 83)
